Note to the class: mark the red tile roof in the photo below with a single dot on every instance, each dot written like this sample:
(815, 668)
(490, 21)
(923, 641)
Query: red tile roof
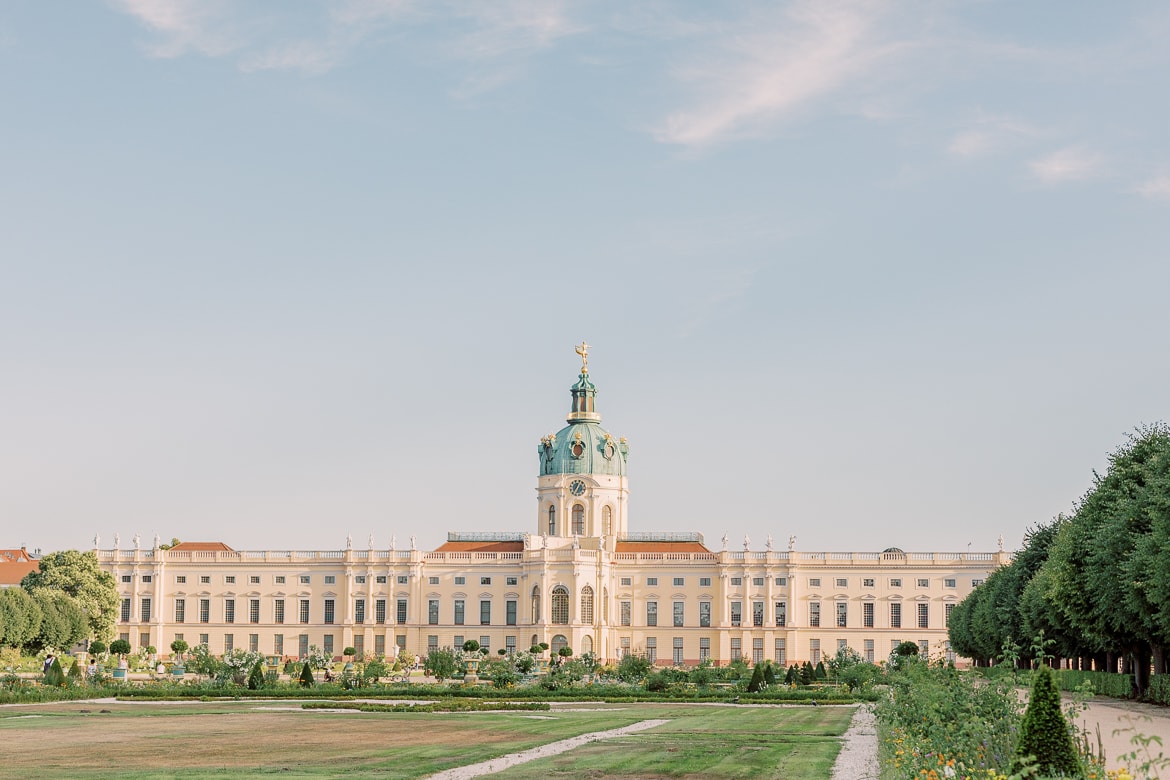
(660, 547)
(202, 547)
(14, 565)
(481, 547)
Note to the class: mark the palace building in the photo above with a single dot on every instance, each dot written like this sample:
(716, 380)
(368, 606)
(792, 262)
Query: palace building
(579, 578)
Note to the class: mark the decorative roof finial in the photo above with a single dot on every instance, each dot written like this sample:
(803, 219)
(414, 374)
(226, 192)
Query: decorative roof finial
(583, 351)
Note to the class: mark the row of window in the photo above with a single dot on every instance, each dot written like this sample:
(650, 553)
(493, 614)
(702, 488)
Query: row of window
(780, 616)
(577, 514)
(329, 612)
(328, 644)
(303, 579)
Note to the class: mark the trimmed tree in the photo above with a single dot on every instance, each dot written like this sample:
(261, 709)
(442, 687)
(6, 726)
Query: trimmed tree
(120, 647)
(306, 678)
(55, 677)
(1044, 732)
(256, 676)
(757, 681)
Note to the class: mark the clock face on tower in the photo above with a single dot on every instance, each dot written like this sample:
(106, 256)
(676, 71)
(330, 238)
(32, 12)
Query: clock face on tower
(577, 487)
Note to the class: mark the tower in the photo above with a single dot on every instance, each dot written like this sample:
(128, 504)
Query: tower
(582, 488)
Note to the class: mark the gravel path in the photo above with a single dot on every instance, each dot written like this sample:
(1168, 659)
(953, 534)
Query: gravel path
(858, 757)
(551, 749)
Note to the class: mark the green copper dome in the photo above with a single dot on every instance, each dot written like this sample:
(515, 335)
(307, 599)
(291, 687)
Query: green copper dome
(583, 446)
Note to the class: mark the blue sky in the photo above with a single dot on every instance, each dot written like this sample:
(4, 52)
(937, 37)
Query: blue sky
(872, 273)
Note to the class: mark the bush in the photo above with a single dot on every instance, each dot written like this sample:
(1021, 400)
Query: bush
(1044, 733)
(120, 647)
(442, 663)
(179, 646)
(55, 677)
(757, 683)
(97, 647)
(306, 678)
(471, 646)
(256, 676)
(633, 668)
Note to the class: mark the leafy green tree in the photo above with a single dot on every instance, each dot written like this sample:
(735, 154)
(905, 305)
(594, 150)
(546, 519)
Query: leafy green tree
(442, 663)
(20, 615)
(178, 647)
(97, 647)
(63, 622)
(1044, 733)
(633, 668)
(80, 575)
(120, 647)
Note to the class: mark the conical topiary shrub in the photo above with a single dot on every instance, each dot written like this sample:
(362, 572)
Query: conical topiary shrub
(793, 675)
(821, 674)
(757, 681)
(306, 675)
(1044, 732)
(769, 673)
(55, 677)
(256, 676)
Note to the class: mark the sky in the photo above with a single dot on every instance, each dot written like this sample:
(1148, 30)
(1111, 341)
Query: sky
(870, 274)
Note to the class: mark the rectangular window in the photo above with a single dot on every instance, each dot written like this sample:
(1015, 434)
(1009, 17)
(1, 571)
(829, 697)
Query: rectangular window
(305, 579)
(842, 614)
(401, 608)
(651, 613)
(181, 579)
(842, 644)
(458, 641)
(380, 611)
(230, 579)
(432, 643)
(814, 614)
(896, 615)
(625, 647)
(304, 611)
(485, 613)
(278, 611)
(203, 640)
(359, 611)
(485, 580)
(923, 648)
(867, 582)
(278, 644)
(460, 580)
(626, 610)
(627, 581)
(867, 614)
(510, 612)
(329, 614)
(781, 582)
(181, 610)
(896, 582)
(947, 609)
(279, 579)
(359, 579)
(254, 579)
(923, 583)
(757, 582)
(781, 613)
(924, 616)
(704, 582)
(758, 650)
(204, 579)
(229, 642)
(842, 582)
(458, 612)
(126, 610)
(328, 648)
(510, 580)
(432, 580)
(814, 582)
(737, 614)
(757, 613)
(433, 612)
(651, 649)
(950, 583)
(254, 610)
(869, 651)
(399, 642)
(736, 581)
(736, 648)
(678, 651)
(204, 611)
(705, 614)
(976, 583)
(229, 610)
(704, 648)
(330, 579)
(359, 646)
(510, 645)
(781, 656)
(678, 582)
(144, 613)
(678, 609)
(814, 651)
(485, 642)
(379, 645)
(254, 643)
(147, 578)
(380, 579)
(403, 579)
(651, 580)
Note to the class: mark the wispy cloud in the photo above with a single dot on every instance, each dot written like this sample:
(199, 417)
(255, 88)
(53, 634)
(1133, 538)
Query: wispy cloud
(990, 135)
(201, 26)
(1156, 188)
(1072, 163)
(776, 67)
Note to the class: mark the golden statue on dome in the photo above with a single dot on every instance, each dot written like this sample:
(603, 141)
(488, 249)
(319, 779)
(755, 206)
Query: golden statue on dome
(583, 351)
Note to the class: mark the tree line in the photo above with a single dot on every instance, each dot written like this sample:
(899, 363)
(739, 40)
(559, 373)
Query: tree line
(68, 600)
(1092, 587)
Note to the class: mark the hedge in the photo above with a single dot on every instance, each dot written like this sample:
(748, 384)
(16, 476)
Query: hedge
(1119, 686)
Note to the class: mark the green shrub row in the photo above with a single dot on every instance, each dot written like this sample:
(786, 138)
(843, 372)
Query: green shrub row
(1159, 690)
(446, 705)
(1119, 686)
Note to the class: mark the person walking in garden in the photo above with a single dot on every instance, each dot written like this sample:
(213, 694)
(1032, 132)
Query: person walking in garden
(48, 663)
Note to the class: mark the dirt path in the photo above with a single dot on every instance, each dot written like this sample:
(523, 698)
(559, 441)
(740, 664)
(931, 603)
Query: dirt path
(551, 749)
(1109, 715)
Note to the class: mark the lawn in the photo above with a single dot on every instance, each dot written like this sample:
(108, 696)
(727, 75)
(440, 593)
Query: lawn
(247, 739)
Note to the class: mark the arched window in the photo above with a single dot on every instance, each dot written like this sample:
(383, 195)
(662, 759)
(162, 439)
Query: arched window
(586, 644)
(605, 605)
(558, 642)
(607, 521)
(578, 519)
(536, 605)
(552, 521)
(535, 641)
(560, 605)
(587, 605)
